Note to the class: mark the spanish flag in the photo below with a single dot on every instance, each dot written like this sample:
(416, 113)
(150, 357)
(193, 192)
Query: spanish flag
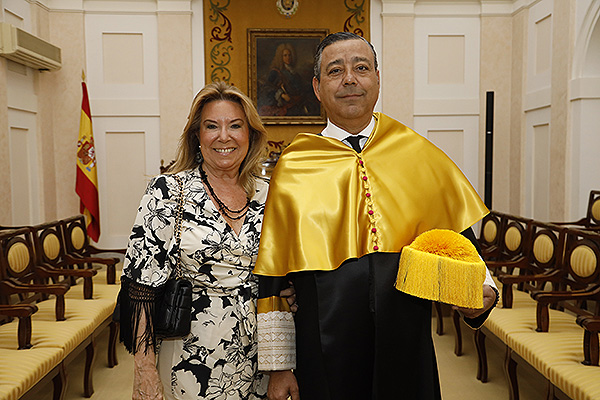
(86, 184)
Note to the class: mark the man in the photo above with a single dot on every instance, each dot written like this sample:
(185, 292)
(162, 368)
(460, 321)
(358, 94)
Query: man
(337, 217)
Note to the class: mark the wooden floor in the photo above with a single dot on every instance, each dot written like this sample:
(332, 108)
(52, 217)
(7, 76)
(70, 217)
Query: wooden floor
(457, 374)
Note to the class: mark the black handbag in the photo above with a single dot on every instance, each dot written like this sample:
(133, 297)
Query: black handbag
(173, 316)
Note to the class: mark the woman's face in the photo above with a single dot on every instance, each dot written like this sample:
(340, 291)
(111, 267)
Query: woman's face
(224, 136)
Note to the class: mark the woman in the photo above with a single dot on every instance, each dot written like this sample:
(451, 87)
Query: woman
(218, 160)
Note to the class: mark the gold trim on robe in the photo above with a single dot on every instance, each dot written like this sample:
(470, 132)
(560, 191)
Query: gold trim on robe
(327, 203)
(273, 303)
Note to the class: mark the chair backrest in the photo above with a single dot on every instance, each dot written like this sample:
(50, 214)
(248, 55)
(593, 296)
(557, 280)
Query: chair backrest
(582, 265)
(547, 246)
(491, 230)
(515, 240)
(48, 242)
(593, 211)
(75, 235)
(17, 256)
(582, 257)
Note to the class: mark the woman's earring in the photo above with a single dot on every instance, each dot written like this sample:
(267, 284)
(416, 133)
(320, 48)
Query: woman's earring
(199, 157)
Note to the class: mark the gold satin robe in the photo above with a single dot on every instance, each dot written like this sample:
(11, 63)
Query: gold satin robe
(327, 203)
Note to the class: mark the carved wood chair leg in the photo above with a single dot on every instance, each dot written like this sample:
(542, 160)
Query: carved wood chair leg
(482, 366)
(88, 288)
(60, 383)
(587, 360)
(90, 355)
(507, 296)
(550, 395)
(594, 351)
(510, 369)
(112, 344)
(458, 337)
(111, 274)
(60, 308)
(24, 333)
(542, 318)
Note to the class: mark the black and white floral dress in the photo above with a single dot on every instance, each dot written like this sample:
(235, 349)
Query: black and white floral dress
(218, 359)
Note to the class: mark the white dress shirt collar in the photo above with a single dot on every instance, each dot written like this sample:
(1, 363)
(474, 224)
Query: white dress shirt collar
(335, 132)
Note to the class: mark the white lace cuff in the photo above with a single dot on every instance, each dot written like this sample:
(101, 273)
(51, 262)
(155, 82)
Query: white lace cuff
(276, 341)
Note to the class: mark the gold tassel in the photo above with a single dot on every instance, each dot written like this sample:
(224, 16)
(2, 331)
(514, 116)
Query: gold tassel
(442, 265)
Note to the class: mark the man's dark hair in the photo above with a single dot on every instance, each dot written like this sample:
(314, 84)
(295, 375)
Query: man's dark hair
(337, 37)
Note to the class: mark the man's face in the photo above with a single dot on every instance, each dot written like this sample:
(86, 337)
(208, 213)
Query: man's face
(287, 57)
(349, 84)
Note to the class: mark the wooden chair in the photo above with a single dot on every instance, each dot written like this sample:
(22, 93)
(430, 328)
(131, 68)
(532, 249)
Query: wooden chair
(510, 247)
(49, 248)
(542, 262)
(491, 233)
(19, 275)
(77, 246)
(592, 217)
(580, 285)
(512, 243)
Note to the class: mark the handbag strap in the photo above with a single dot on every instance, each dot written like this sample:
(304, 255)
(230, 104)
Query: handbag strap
(178, 223)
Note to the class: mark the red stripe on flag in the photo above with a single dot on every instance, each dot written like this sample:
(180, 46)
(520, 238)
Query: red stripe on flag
(88, 193)
(85, 102)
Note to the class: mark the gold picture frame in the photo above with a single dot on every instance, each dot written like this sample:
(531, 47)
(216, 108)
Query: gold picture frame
(280, 71)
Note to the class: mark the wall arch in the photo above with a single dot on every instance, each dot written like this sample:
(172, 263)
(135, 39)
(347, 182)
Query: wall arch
(585, 107)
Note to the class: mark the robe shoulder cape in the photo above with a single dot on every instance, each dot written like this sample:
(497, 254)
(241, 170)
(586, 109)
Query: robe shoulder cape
(327, 203)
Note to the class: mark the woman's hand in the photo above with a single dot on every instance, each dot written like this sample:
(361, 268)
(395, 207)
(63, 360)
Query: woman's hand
(146, 382)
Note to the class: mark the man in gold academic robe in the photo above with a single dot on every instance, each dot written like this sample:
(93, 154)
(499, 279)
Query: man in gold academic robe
(341, 206)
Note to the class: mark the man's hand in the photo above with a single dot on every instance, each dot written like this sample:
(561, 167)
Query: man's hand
(489, 298)
(283, 386)
(290, 295)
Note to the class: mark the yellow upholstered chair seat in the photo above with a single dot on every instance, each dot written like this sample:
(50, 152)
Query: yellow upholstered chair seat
(33, 365)
(92, 312)
(580, 382)
(64, 335)
(504, 322)
(557, 355)
(102, 290)
(564, 341)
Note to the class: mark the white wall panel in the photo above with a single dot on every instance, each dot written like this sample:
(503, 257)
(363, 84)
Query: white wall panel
(97, 26)
(537, 122)
(541, 172)
(458, 137)
(539, 49)
(128, 151)
(458, 30)
(24, 168)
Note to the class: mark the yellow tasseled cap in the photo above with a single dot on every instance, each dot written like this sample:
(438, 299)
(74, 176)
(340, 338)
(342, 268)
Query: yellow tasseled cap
(442, 265)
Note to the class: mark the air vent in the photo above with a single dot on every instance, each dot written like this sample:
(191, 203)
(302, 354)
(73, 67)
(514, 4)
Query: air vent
(24, 48)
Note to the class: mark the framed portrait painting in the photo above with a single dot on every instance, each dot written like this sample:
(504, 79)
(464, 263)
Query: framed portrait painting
(280, 71)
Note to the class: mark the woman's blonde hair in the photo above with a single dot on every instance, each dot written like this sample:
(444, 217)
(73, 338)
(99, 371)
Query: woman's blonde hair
(189, 145)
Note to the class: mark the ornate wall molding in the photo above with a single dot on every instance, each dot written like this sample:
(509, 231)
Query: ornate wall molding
(220, 38)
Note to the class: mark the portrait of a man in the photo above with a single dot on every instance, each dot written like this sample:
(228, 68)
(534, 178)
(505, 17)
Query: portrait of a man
(281, 78)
